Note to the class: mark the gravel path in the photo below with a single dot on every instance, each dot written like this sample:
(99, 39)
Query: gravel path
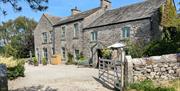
(59, 78)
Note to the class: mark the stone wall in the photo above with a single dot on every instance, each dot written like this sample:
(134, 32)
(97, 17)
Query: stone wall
(3, 78)
(165, 67)
(108, 35)
(69, 42)
(44, 25)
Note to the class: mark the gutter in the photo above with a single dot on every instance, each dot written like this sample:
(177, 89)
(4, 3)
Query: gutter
(56, 25)
(117, 23)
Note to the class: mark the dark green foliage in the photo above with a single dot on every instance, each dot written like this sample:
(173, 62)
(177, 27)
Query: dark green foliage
(170, 43)
(37, 5)
(147, 85)
(136, 50)
(18, 37)
(70, 59)
(17, 71)
(2, 50)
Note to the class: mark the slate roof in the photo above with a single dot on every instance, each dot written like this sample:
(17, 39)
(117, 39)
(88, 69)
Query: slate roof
(79, 16)
(127, 13)
(52, 19)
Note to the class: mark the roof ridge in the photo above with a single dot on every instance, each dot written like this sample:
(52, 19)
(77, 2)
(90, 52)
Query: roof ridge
(46, 14)
(85, 11)
(125, 6)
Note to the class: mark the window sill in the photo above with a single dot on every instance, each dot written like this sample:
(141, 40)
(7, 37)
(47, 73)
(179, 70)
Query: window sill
(44, 43)
(95, 41)
(63, 39)
(75, 38)
(125, 39)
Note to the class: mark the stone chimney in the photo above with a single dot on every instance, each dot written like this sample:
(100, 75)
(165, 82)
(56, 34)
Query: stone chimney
(75, 11)
(106, 4)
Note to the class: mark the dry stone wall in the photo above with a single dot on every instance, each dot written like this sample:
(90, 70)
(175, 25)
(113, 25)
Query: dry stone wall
(165, 67)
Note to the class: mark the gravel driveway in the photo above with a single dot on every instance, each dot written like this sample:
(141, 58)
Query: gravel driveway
(58, 78)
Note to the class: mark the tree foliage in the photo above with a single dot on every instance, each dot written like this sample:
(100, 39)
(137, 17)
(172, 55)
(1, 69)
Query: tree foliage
(170, 42)
(37, 5)
(168, 14)
(17, 36)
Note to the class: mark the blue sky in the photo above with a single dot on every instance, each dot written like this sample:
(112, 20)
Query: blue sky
(61, 8)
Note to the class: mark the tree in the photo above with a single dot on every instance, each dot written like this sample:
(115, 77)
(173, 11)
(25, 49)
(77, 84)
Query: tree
(18, 35)
(37, 5)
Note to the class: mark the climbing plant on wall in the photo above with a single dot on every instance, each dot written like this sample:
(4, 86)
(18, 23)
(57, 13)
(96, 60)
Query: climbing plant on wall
(168, 12)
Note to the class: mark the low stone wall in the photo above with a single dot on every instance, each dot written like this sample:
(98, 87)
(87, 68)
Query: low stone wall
(3, 78)
(165, 67)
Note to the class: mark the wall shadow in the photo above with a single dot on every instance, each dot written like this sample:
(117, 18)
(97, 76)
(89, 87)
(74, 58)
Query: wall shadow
(103, 84)
(35, 88)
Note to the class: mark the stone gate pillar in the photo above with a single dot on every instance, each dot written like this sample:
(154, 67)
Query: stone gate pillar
(3, 78)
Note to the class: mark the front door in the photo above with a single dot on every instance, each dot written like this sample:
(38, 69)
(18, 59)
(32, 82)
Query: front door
(99, 55)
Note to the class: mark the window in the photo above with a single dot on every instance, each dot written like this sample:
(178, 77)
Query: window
(93, 36)
(45, 53)
(63, 32)
(76, 29)
(76, 54)
(44, 37)
(126, 32)
(51, 36)
(53, 52)
(63, 52)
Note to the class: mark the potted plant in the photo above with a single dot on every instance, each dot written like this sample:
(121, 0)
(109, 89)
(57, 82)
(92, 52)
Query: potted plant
(35, 61)
(44, 61)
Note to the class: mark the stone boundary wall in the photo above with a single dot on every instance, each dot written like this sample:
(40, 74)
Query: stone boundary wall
(3, 78)
(165, 67)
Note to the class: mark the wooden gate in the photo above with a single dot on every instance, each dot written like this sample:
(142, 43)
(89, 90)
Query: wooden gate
(110, 73)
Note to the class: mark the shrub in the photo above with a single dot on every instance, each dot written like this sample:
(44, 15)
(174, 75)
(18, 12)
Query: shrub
(106, 53)
(147, 85)
(35, 61)
(17, 71)
(70, 59)
(44, 61)
(135, 49)
(82, 59)
(15, 67)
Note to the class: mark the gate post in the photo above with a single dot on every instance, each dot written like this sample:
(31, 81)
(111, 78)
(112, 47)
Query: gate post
(3, 78)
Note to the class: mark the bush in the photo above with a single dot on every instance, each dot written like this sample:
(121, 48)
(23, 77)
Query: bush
(147, 85)
(70, 59)
(44, 61)
(17, 71)
(15, 67)
(106, 53)
(35, 61)
(136, 50)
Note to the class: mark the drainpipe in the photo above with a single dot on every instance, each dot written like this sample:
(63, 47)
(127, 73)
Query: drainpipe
(53, 41)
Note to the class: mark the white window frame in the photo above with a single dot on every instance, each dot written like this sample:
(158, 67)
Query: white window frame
(76, 31)
(45, 37)
(126, 33)
(51, 36)
(94, 36)
(63, 33)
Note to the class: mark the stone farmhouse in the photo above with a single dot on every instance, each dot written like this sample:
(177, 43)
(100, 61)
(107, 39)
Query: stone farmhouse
(43, 36)
(89, 31)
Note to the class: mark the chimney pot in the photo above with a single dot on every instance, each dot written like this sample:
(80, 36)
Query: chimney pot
(75, 11)
(106, 4)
